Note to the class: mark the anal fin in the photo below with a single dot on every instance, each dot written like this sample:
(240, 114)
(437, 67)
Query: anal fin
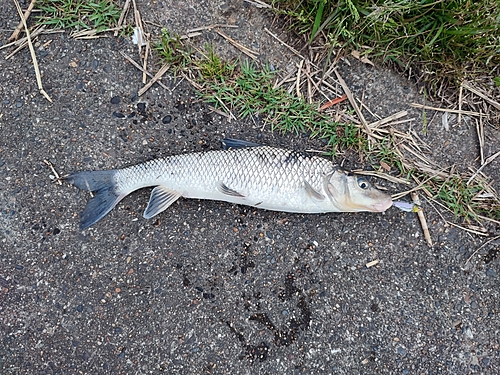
(228, 191)
(313, 193)
(161, 198)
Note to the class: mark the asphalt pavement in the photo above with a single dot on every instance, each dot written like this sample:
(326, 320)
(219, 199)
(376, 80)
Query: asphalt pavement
(209, 287)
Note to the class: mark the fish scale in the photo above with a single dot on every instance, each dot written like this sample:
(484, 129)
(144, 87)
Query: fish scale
(253, 172)
(260, 176)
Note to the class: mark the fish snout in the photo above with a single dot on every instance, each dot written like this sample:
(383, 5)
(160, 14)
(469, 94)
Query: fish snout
(382, 205)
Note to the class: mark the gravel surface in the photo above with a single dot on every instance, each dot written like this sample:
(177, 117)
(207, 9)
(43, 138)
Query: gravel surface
(209, 287)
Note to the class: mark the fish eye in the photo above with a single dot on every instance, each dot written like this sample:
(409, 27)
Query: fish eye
(362, 183)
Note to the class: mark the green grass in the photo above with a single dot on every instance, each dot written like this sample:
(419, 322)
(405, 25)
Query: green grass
(212, 67)
(465, 201)
(250, 91)
(450, 40)
(78, 14)
(172, 51)
(385, 153)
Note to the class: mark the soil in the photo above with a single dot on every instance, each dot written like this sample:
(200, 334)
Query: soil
(208, 287)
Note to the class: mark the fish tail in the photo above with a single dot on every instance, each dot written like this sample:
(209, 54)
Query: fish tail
(106, 194)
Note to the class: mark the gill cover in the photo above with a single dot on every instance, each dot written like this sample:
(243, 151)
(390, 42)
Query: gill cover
(353, 193)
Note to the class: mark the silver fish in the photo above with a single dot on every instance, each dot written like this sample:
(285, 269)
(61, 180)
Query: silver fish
(242, 173)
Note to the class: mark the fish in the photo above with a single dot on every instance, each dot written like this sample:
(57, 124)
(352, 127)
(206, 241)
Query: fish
(242, 172)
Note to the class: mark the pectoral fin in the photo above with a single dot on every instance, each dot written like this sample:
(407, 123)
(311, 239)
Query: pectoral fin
(228, 191)
(313, 193)
(161, 198)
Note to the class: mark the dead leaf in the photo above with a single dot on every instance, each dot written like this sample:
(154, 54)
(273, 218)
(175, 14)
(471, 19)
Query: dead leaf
(362, 58)
(386, 166)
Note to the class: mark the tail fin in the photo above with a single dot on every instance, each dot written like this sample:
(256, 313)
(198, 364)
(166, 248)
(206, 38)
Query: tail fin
(102, 183)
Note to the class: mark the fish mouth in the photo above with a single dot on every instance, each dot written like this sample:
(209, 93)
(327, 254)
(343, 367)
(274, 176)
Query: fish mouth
(382, 206)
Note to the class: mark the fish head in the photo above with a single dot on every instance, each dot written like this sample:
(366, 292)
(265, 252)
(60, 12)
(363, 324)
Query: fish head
(353, 193)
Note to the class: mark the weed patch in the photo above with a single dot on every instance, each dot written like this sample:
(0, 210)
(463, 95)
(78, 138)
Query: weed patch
(79, 14)
(439, 40)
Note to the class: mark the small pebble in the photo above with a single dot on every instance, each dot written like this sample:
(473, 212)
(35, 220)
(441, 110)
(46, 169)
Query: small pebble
(491, 272)
(166, 119)
(115, 100)
(118, 114)
(141, 107)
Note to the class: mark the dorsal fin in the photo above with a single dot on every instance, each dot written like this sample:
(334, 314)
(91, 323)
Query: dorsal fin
(231, 143)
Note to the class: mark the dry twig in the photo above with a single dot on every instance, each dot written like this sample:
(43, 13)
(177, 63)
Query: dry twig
(258, 3)
(129, 59)
(124, 12)
(332, 102)
(294, 51)
(92, 34)
(372, 263)
(421, 218)
(480, 247)
(145, 63)
(57, 177)
(481, 94)
(388, 119)
(33, 55)
(23, 42)
(247, 51)
(460, 102)
(350, 96)
(297, 80)
(486, 162)
(19, 26)
(480, 136)
(423, 106)
(210, 27)
(157, 76)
